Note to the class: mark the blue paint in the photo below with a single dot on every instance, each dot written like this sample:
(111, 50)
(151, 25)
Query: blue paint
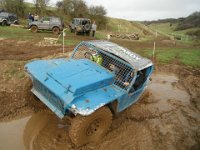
(82, 86)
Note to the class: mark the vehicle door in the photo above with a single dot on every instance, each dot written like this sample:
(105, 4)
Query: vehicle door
(135, 89)
(44, 23)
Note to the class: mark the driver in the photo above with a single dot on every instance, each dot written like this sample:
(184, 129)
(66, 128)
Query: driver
(97, 58)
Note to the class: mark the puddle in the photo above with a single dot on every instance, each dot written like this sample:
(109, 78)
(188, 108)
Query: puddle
(164, 88)
(27, 133)
(12, 134)
(44, 130)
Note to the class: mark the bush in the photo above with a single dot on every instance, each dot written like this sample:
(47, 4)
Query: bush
(191, 21)
(195, 33)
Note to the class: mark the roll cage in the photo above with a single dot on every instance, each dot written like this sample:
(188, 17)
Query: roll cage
(111, 62)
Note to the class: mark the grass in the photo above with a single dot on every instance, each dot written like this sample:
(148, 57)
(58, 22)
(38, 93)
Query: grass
(185, 54)
(15, 69)
(188, 57)
(168, 29)
(22, 34)
(122, 25)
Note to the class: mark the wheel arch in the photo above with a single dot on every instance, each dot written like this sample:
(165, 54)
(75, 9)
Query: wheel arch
(55, 27)
(33, 25)
(113, 106)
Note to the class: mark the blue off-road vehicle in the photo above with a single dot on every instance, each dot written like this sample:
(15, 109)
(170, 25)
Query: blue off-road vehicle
(100, 79)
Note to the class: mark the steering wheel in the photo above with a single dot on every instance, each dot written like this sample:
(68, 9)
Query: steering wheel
(89, 56)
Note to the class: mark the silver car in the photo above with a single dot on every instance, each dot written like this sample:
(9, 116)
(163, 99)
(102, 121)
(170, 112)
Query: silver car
(53, 24)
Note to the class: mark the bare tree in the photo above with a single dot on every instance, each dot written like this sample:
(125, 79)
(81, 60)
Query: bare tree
(73, 8)
(15, 6)
(98, 13)
(41, 5)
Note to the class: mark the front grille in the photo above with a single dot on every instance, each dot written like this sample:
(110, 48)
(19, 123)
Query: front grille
(51, 97)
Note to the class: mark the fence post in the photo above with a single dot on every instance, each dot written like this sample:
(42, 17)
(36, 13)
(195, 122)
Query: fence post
(64, 41)
(154, 48)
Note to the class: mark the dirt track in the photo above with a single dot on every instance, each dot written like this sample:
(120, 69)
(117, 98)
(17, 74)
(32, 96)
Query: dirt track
(166, 117)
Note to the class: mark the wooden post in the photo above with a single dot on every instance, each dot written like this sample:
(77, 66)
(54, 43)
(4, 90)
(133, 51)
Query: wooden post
(154, 49)
(63, 41)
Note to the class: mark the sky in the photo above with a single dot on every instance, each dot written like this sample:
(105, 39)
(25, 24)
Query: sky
(142, 10)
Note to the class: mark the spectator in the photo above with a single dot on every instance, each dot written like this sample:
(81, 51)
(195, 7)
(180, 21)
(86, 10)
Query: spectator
(36, 17)
(108, 36)
(94, 27)
(32, 18)
(29, 17)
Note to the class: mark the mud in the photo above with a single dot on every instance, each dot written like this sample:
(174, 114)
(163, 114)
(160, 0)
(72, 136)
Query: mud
(26, 50)
(164, 118)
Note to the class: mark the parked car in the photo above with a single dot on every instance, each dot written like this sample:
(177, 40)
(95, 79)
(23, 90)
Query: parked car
(7, 18)
(53, 24)
(80, 25)
(99, 80)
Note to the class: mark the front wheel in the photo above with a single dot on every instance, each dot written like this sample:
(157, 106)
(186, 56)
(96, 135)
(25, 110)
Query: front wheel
(86, 129)
(56, 30)
(34, 29)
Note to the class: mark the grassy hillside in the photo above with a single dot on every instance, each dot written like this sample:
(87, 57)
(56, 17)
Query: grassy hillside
(168, 29)
(125, 26)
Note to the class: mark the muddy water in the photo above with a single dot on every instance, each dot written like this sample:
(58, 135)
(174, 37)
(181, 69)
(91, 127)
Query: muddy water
(44, 130)
(12, 134)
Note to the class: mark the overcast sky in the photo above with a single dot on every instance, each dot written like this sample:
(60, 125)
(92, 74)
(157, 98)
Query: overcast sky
(145, 9)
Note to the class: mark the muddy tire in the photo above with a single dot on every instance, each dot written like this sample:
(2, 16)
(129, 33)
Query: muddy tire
(86, 129)
(56, 30)
(34, 29)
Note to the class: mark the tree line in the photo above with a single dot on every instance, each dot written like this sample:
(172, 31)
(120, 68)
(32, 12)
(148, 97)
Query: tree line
(191, 21)
(64, 8)
(79, 9)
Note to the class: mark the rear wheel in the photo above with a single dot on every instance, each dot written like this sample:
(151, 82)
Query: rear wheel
(56, 30)
(34, 29)
(86, 129)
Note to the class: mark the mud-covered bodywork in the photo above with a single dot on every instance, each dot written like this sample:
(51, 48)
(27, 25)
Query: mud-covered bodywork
(79, 85)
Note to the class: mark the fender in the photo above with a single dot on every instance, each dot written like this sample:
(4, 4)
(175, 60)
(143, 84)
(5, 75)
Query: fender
(91, 101)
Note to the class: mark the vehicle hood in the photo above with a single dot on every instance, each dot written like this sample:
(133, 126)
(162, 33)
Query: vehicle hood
(80, 76)
(69, 79)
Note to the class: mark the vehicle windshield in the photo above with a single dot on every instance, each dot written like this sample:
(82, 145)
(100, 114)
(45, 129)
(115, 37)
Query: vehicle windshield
(4, 14)
(122, 70)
